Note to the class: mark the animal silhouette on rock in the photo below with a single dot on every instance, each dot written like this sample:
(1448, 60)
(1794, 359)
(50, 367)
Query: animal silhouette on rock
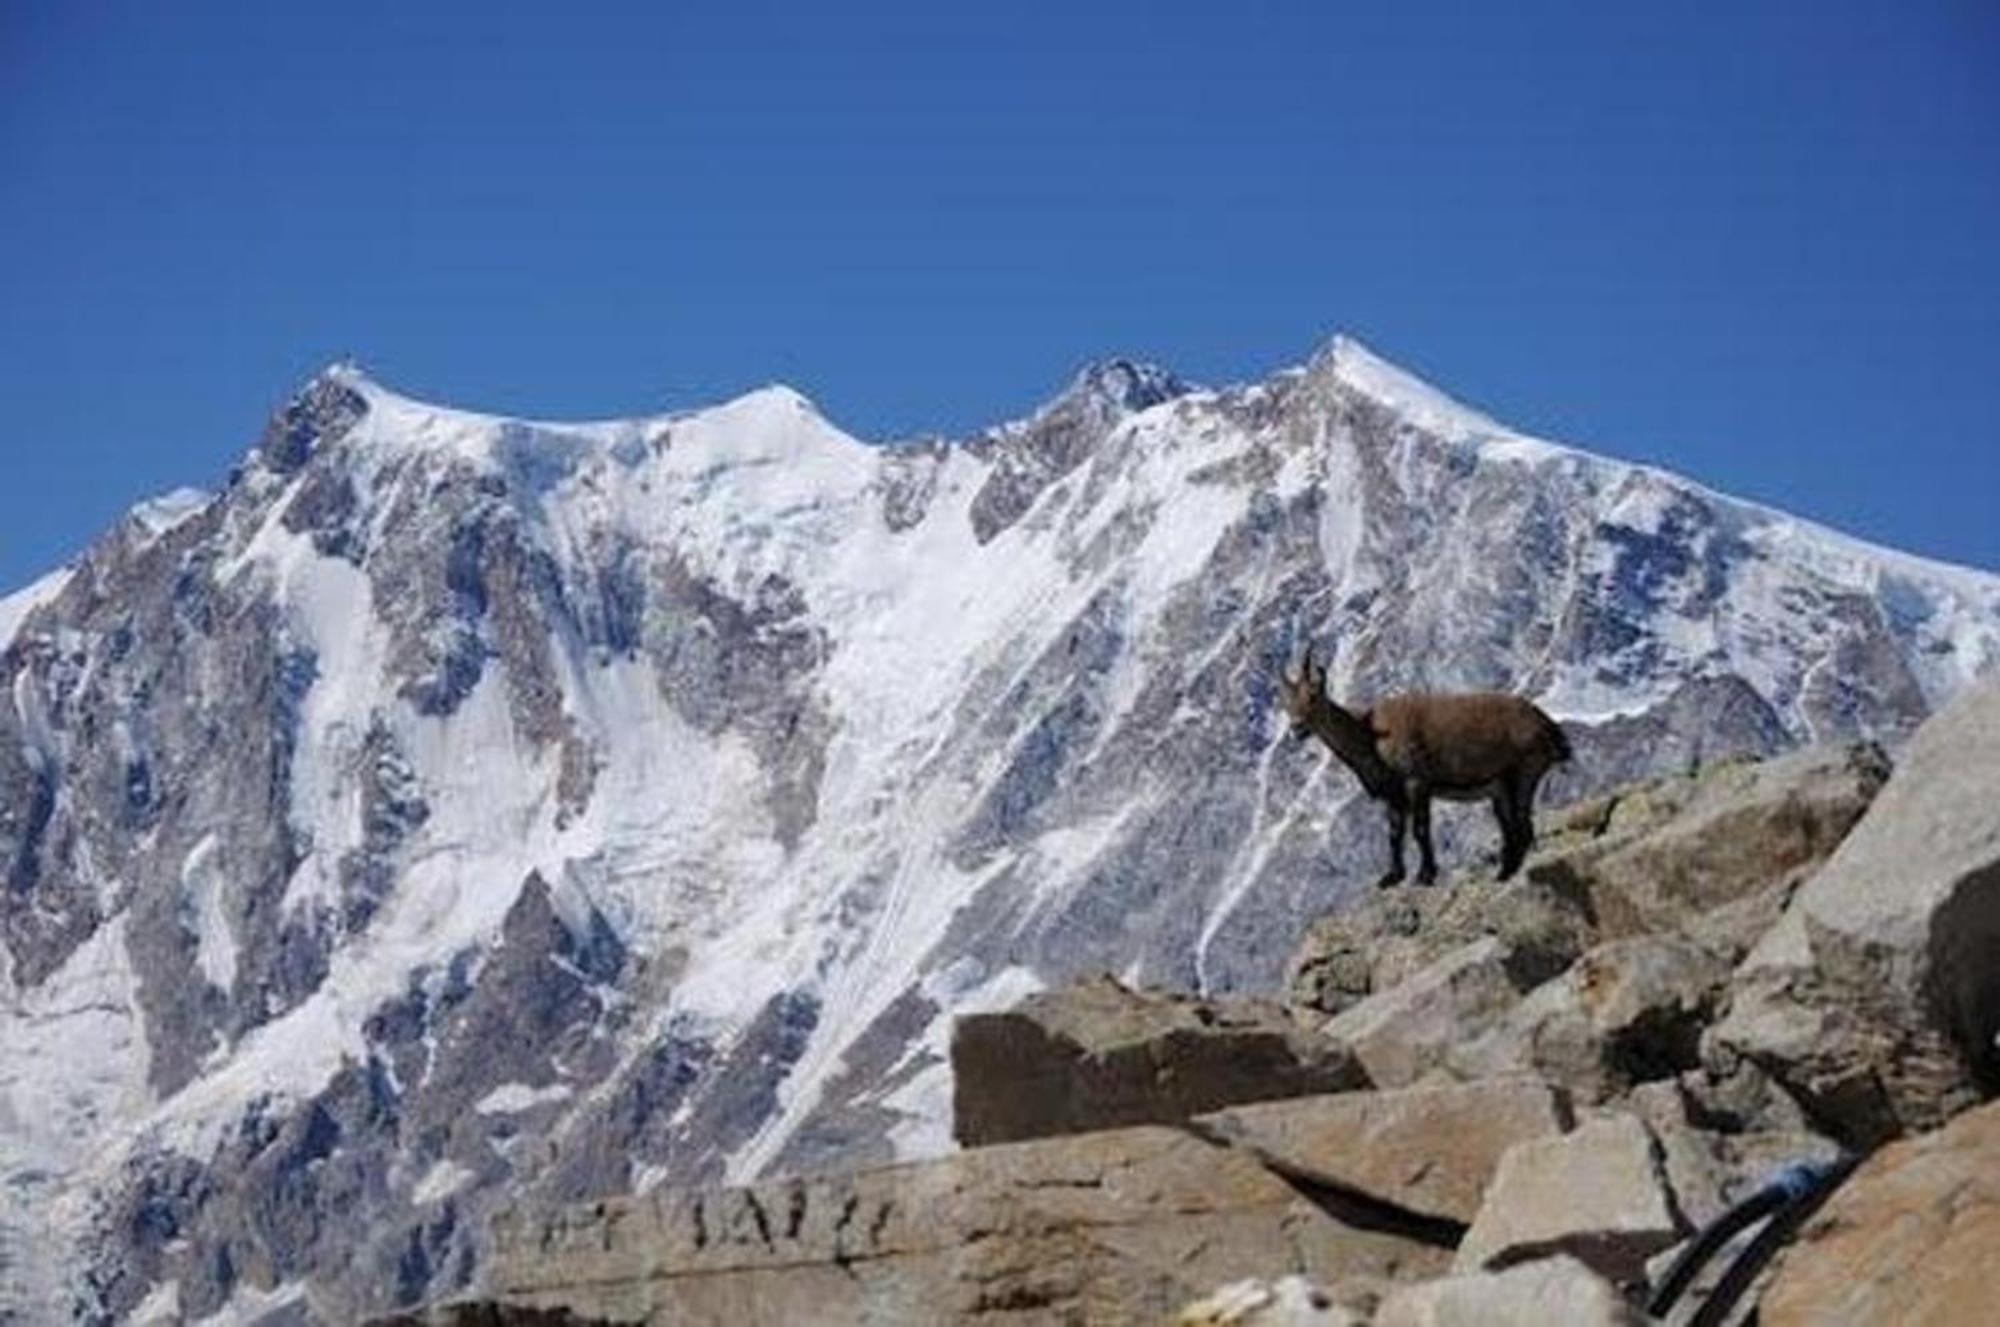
(1411, 748)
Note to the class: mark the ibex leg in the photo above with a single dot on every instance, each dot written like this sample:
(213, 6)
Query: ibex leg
(1398, 821)
(1520, 797)
(1510, 833)
(1420, 818)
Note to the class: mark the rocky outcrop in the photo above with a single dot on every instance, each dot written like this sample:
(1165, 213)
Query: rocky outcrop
(1630, 1011)
(1712, 856)
(1876, 1000)
(1405, 1032)
(1913, 1236)
(1099, 1055)
(1492, 1104)
(1120, 1226)
(1392, 935)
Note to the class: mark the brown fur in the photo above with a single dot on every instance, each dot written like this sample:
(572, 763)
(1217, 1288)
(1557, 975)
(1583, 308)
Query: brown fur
(1411, 748)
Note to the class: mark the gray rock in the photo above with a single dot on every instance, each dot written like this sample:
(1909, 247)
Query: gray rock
(1125, 1225)
(1717, 856)
(1425, 1150)
(1403, 1033)
(1631, 1011)
(1391, 935)
(1598, 1193)
(1876, 1000)
(1099, 1055)
(1547, 1291)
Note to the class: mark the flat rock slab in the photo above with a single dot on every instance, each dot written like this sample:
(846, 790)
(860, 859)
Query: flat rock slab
(1598, 1193)
(1126, 1225)
(1718, 866)
(1099, 1055)
(1427, 1150)
(1913, 1236)
(1403, 1033)
(1546, 1293)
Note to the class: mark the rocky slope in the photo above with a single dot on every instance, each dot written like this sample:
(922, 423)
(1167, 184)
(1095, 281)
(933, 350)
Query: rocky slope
(453, 807)
(1556, 1090)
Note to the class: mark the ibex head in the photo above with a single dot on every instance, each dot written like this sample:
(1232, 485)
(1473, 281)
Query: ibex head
(1301, 692)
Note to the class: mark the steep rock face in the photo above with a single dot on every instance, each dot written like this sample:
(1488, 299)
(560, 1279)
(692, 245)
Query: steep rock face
(740, 755)
(1877, 999)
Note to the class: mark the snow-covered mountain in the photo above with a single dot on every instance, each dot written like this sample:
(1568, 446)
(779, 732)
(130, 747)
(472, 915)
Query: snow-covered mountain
(456, 810)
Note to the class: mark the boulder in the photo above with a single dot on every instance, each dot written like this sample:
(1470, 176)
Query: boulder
(1714, 856)
(1535, 1294)
(1876, 999)
(1629, 1012)
(1125, 1225)
(1598, 1193)
(1099, 1055)
(1912, 1236)
(1400, 1034)
(1394, 934)
(1430, 1151)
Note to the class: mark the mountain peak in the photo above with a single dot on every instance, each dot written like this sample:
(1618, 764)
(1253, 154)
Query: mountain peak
(1127, 384)
(1347, 361)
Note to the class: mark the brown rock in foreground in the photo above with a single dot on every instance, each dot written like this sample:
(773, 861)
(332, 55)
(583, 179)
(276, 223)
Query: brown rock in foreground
(1426, 1150)
(1717, 854)
(1599, 1194)
(1405, 1032)
(1122, 1226)
(1099, 1055)
(1913, 1236)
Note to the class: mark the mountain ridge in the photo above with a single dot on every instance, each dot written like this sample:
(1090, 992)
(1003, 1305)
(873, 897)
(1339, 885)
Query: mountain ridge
(1346, 356)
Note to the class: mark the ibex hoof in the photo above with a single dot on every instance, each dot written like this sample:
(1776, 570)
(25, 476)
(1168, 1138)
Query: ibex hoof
(1427, 878)
(1393, 878)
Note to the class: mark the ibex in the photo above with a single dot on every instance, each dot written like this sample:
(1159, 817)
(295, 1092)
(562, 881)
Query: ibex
(1410, 748)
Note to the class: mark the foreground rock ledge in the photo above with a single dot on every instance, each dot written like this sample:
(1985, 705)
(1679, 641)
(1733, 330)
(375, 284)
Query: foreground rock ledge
(1121, 1226)
(1913, 1237)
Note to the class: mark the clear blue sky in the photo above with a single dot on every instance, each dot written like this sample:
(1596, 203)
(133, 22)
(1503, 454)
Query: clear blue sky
(1756, 243)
